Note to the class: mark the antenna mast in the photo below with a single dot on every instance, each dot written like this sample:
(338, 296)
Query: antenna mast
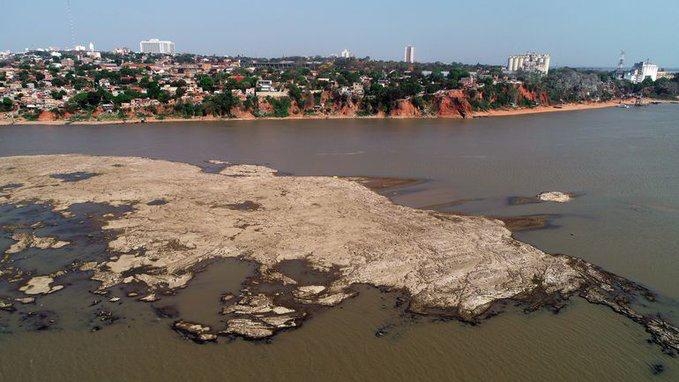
(71, 24)
(621, 64)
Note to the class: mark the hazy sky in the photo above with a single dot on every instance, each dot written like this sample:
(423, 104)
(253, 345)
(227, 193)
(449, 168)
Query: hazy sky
(575, 32)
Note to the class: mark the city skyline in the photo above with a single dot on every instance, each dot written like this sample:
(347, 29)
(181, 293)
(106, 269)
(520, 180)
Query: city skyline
(574, 38)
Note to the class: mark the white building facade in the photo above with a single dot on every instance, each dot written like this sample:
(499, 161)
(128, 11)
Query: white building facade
(529, 62)
(642, 70)
(346, 53)
(156, 46)
(409, 56)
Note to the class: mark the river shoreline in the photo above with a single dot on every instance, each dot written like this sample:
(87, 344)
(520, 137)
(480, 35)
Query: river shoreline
(476, 114)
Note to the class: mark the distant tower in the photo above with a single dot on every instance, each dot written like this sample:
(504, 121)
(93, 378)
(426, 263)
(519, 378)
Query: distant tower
(409, 56)
(71, 24)
(91, 47)
(620, 71)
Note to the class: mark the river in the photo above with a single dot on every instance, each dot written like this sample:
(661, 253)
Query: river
(622, 164)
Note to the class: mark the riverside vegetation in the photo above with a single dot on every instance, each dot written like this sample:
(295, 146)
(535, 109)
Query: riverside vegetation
(68, 86)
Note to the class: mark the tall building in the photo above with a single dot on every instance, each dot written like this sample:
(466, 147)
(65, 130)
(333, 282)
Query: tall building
(409, 56)
(529, 62)
(642, 70)
(156, 46)
(346, 53)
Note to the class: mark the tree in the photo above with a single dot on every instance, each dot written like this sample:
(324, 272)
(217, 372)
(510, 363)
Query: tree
(206, 82)
(84, 101)
(281, 106)
(58, 81)
(179, 93)
(410, 87)
(220, 104)
(457, 73)
(185, 109)
(251, 103)
(6, 105)
(57, 94)
(296, 94)
(185, 58)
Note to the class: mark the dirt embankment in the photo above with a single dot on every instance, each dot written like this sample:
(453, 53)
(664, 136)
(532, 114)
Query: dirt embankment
(405, 109)
(446, 104)
(454, 103)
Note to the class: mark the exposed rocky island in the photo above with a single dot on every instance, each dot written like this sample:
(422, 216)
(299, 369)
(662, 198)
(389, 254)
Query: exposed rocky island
(176, 218)
(555, 196)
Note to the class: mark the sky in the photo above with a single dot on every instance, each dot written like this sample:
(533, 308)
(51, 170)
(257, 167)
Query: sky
(575, 32)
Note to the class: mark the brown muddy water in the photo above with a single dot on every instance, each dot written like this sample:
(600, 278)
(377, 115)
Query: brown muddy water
(622, 163)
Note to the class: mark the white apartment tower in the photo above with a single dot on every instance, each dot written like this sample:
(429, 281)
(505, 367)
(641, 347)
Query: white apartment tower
(156, 46)
(529, 62)
(641, 71)
(409, 56)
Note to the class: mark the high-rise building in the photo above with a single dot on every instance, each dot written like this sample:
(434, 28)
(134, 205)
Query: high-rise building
(346, 53)
(156, 46)
(529, 62)
(409, 56)
(642, 70)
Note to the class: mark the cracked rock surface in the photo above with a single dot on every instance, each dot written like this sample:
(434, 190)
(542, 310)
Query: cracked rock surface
(460, 265)
(26, 240)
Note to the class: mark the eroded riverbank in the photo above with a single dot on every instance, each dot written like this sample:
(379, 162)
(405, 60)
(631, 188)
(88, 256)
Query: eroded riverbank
(180, 217)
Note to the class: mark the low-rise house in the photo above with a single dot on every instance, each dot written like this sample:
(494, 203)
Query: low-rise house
(467, 82)
(265, 86)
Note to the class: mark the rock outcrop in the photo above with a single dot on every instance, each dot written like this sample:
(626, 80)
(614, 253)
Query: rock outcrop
(27, 240)
(40, 285)
(446, 264)
(555, 196)
(195, 332)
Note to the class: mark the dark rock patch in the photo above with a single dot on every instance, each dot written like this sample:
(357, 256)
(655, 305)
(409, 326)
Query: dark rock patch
(383, 183)
(657, 368)
(6, 305)
(168, 311)
(39, 320)
(157, 202)
(529, 222)
(213, 166)
(448, 206)
(74, 176)
(10, 186)
(103, 317)
(300, 271)
(174, 245)
(521, 200)
(247, 205)
(144, 269)
(383, 330)
(197, 333)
